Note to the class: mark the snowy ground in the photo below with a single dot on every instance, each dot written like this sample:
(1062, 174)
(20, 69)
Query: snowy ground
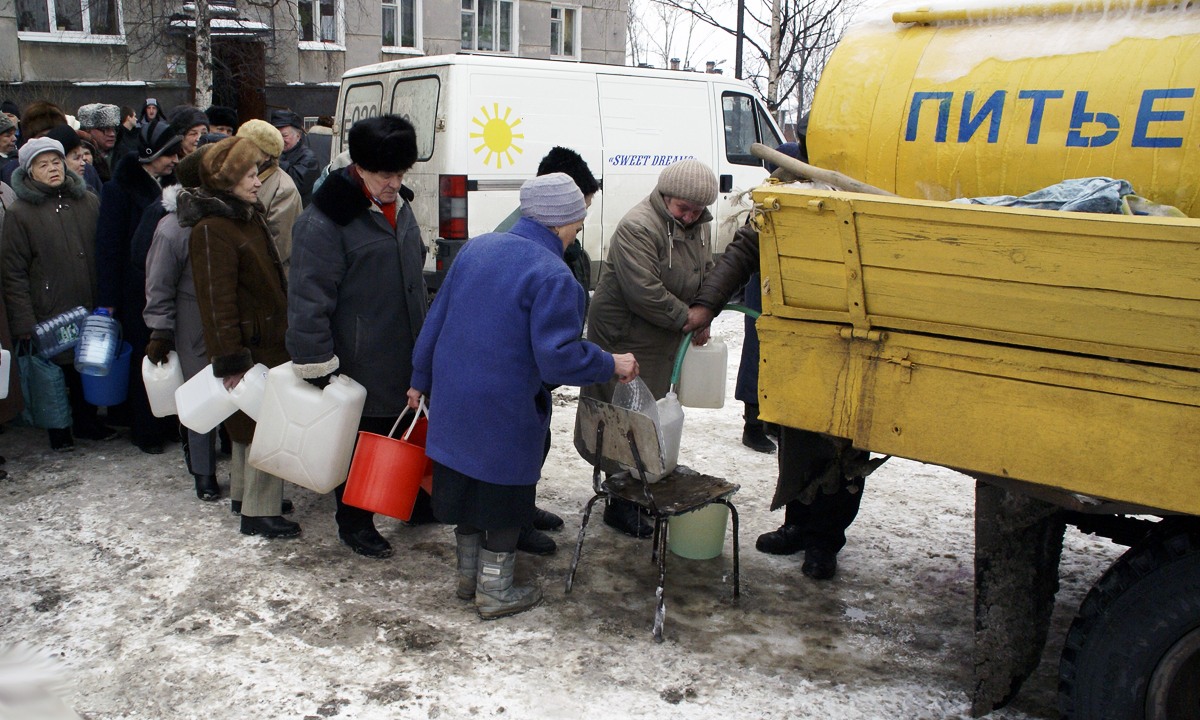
(162, 610)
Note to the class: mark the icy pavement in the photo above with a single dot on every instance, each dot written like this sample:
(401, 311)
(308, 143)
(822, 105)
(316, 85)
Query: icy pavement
(162, 610)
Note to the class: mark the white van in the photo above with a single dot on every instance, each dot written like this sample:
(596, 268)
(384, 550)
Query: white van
(484, 123)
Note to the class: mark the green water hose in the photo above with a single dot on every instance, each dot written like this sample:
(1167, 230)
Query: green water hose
(687, 340)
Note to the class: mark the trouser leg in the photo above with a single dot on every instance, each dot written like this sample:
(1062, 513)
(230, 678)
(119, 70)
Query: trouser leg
(350, 518)
(497, 541)
(202, 452)
(83, 413)
(824, 522)
(237, 470)
(262, 495)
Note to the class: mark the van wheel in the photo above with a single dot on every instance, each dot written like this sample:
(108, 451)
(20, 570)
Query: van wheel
(1133, 651)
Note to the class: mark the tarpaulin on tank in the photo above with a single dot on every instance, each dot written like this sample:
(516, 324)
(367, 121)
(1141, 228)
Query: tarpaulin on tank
(1093, 195)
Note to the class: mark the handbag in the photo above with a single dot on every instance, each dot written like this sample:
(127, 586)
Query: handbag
(45, 389)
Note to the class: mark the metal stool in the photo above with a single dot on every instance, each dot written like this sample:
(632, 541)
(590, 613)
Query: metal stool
(619, 435)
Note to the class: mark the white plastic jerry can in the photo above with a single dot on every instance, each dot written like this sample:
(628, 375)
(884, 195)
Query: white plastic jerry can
(306, 435)
(5, 372)
(161, 383)
(670, 418)
(248, 393)
(702, 376)
(202, 402)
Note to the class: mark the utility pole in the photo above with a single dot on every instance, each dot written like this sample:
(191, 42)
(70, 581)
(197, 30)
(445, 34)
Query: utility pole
(741, 33)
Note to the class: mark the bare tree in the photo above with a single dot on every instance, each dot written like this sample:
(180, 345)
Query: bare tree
(663, 32)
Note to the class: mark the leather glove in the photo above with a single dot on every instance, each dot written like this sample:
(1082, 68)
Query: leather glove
(161, 343)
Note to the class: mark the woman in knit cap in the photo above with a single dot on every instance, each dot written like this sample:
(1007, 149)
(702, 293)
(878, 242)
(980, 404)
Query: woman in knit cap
(505, 321)
(242, 296)
(659, 255)
(49, 263)
(78, 156)
(188, 123)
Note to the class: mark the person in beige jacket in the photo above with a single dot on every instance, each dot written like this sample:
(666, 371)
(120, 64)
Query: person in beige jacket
(659, 255)
(278, 193)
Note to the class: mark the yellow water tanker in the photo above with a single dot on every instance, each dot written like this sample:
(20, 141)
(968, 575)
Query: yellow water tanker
(957, 100)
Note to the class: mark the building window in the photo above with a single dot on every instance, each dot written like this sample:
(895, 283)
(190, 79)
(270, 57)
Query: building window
(321, 24)
(563, 31)
(487, 25)
(73, 20)
(400, 25)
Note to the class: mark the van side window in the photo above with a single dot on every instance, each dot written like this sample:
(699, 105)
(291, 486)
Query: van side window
(741, 130)
(362, 101)
(416, 100)
(766, 131)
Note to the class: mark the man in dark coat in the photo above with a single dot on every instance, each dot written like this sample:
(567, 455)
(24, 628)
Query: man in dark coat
(356, 298)
(137, 183)
(297, 160)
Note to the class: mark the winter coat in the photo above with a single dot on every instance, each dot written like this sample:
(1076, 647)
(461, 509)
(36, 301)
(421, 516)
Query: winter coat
(303, 167)
(12, 405)
(239, 286)
(127, 142)
(281, 199)
(654, 268)
(170, 290)
(732, 271)
(505, 320)
(7, 198)
(357, 298)
(49, 262)
(122, 203)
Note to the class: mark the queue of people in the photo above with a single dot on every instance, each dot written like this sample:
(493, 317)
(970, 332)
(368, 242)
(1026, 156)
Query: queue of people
(208, 238)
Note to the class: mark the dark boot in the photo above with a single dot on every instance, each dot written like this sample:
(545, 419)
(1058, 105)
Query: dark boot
(207, 488)
(755, 438)
(535, 542)
(60, 439)
(270, 527)
(787, 540)
(366, 541)
(819, 563)
(545, 520)
(627, 517)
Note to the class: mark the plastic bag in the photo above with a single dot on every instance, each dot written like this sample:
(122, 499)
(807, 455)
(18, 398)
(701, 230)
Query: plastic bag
(45, 391)
(635, 396)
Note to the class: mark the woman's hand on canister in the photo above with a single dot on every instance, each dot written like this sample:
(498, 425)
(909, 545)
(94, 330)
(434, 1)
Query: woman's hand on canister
(626, 367)
(414, 398)
(231, 381)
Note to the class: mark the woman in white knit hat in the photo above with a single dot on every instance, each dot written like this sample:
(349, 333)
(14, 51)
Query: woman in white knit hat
(657, 259)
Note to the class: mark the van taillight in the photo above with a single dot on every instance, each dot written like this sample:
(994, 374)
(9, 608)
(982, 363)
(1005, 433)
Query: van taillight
(452, 207)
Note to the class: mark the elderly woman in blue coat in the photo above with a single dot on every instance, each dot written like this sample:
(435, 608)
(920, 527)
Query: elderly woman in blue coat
(505, 321)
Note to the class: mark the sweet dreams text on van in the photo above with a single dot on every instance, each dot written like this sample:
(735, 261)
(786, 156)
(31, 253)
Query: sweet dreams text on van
(651, 160)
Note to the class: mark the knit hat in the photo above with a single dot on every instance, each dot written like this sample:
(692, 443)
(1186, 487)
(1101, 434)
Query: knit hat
(8, 106)
(156, 140)
(98, 115)
(65, 137)
(553, 200)
(689, 180)
(286, 118)
(186, 117)
(227, 162)
(6, 124)
(265, 135)
(187, 172)
(35, 147)
(220, 115)
(39, 117)
(387, 143)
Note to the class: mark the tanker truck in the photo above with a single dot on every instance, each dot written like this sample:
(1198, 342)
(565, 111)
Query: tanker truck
(1054, 357)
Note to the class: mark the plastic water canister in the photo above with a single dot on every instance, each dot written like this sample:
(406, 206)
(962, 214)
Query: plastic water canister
(702, 377)
(203, 403)
(670, 418)
(59, 333)
(99, 343)
(306, 434)
(248, 393)
(5, 372)
(161, 383)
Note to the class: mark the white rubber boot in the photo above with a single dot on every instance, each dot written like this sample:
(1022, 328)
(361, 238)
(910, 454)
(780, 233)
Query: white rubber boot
(495, 594)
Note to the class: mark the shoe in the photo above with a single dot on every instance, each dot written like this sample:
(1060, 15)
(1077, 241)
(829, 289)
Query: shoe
(285, 508)
(422, 513)
(544, 520)
(627, 517)
(787, 540)
(207, 487)
(150, 448)
(535, 542)
(60, 439)
(467, 553)
(756, 439)
(495, 594)
(98, 431)
(819, 563)
(269, 527)
(367, 542)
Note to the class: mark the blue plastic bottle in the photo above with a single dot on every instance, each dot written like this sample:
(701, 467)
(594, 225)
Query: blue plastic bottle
(59, 333)
(99, 343)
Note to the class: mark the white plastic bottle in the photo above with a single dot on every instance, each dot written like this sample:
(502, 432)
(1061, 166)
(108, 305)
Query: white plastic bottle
(702, 377)
(670, 417)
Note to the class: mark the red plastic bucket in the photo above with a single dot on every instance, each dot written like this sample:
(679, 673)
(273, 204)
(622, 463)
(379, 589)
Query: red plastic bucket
(387, 472)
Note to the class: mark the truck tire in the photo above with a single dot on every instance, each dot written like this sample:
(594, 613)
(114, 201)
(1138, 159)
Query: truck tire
(1133, 651)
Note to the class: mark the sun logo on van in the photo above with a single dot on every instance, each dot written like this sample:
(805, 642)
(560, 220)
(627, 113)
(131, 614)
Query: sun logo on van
(497, 135)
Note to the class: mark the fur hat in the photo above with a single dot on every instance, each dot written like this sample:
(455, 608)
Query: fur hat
(6, 124)
(553, 200)
(156, 140)
(265, 135)
(565, 160)
(227, 162)
(387, 143)
(39, 117)
(35, 147)
(186, 117)
(219, 115)
(689, 180)
(187, 172)
(65, 136)
(98, 115)
(286, 118)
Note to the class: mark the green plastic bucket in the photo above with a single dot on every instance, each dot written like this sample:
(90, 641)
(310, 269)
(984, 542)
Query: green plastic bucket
(700, 534)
